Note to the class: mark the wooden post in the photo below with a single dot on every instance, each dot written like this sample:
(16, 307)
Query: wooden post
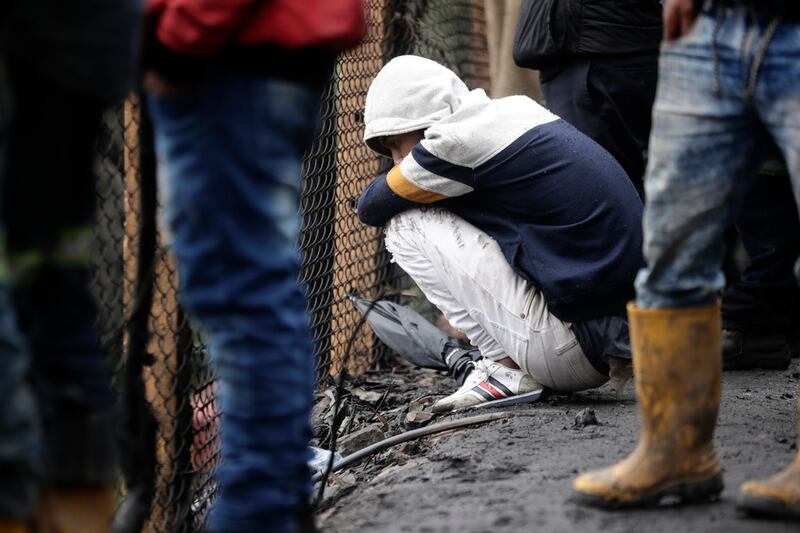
(158, 378)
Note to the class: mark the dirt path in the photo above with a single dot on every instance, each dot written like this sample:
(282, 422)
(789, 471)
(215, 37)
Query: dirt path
(515, 474)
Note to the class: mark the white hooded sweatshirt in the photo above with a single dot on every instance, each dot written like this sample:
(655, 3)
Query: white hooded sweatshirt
(563, 211)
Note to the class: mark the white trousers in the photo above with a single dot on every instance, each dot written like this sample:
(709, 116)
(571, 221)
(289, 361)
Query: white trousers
(463, 272)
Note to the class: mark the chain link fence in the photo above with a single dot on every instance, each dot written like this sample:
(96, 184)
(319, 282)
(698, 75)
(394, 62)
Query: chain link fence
(341, 256)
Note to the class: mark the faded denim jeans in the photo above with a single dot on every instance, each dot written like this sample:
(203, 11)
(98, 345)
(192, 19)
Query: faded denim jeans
(229, 154)
(720, 100)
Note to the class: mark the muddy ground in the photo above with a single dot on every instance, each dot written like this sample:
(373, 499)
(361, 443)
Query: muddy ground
(515, 474)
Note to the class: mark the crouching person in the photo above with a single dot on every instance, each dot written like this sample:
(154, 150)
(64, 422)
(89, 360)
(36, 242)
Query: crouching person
(525, 233)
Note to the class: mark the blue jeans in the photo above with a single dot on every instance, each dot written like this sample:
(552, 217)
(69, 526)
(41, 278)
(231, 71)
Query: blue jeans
(712, 123)
(229, 154)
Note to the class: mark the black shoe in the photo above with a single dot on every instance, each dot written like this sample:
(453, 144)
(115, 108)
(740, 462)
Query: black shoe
(306, 522)
(742, 350)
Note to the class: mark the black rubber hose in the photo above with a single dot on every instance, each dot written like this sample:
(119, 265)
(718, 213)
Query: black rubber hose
(417, 433)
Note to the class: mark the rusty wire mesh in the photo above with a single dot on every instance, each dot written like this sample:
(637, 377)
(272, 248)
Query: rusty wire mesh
(341, 256)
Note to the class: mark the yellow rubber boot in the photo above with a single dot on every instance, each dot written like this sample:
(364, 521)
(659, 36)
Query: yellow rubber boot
(76, 510)
(776, 496)
(676, 367)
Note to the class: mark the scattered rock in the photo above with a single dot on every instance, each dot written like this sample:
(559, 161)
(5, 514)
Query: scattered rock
(367, 395)
(422, 403)
(360, 439)
(411, 448)
(416, 419)
(319, 412)
(586, 417)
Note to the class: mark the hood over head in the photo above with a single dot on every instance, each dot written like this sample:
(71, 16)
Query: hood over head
(409, 93)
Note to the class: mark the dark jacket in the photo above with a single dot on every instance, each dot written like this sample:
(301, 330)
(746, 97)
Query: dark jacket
(88, 47)
(551, 30)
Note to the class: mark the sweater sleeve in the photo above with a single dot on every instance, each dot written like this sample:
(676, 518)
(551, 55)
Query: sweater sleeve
(378, 203)
(420, 179)
(425, 178)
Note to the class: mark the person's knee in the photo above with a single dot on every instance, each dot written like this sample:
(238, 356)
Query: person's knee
(403, 221)
(398, 230)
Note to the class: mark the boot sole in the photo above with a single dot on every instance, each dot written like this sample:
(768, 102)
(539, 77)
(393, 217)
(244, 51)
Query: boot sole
(686, 493)
(766, 507)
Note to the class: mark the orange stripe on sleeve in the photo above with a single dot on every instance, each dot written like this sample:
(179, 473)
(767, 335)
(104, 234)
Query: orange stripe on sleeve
(405, 189)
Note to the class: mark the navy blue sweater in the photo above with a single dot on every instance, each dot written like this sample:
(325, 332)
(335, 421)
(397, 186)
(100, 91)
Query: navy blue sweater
(561, 208)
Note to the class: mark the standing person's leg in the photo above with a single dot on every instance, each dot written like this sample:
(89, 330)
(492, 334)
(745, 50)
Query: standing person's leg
(463, 272)
(703, 150)
(49, 207)
(230, 158)
(759, 309)
(777, 97)
(610, 100)
(19, 417)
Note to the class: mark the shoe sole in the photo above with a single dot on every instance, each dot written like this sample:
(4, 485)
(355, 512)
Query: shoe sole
(766, 507)
(687, 493)
(511, 400)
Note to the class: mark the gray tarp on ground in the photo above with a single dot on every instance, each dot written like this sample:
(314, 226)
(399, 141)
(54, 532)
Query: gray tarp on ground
(406, 332)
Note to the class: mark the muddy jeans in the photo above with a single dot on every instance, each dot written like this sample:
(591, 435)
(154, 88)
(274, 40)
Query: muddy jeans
(712, 121)
(463, 272)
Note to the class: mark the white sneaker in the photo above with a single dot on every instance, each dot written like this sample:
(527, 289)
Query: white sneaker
(493, 384)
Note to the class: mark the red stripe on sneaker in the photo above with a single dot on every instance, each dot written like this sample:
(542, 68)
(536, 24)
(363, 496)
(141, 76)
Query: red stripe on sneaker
(496, 384)
(478, 391)
(491, 390)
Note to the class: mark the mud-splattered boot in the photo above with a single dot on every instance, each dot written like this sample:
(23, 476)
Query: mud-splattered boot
(677, 367)
(778, 496)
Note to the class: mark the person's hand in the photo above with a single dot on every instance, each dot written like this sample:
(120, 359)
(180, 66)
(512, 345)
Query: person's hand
(159, 86)
(679, 15)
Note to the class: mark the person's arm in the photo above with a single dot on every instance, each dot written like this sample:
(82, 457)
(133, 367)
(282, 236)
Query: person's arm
(420, 179)
(378, 203)
(679, 16)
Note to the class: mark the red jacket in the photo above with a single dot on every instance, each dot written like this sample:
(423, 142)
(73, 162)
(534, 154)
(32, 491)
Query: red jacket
(204, 27)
